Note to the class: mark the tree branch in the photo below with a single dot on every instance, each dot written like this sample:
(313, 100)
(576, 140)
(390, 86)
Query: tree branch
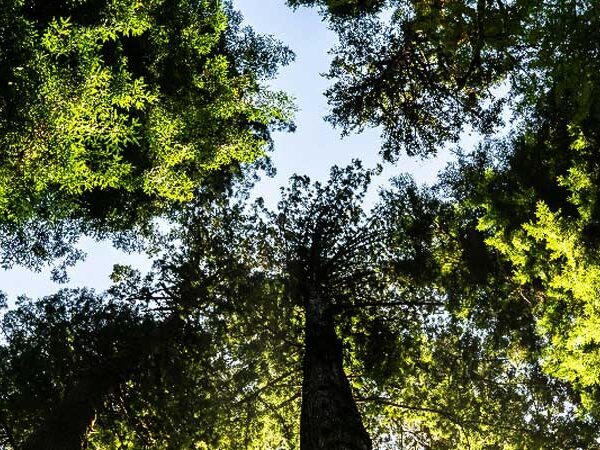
(384, 304)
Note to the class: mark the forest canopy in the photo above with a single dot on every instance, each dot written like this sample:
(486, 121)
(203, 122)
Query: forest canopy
(110, 108)
(461, 315)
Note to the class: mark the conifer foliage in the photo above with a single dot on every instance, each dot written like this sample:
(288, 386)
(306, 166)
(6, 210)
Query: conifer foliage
(462, 315)
(116, 108)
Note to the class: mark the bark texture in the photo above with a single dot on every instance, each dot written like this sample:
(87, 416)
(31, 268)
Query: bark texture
(329, 419)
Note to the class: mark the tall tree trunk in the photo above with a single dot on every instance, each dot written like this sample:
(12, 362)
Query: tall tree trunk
(329, 419)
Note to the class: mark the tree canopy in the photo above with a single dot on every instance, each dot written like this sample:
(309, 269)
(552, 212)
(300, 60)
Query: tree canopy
(367, 328)
(462, 315)
(423, 71)
(535, 197)
(117, 109)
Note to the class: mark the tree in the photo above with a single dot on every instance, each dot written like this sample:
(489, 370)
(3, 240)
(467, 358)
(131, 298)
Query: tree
(536, 202)
(87, 371)
(115, 111)
(158, 362)
(400, 298)
(377, 301)
(423, 71)
(64, 355)
(428, 73)
(545, 231)
(421, 341)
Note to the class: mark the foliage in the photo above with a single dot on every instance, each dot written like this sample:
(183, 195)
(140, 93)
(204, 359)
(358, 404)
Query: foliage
(467, 313)
(546, 235)
(423, 71)
(530, 197)
(188, 352)
(342, 8)
(438, 347)
(535, 197)
(115, 110)
(438, 354)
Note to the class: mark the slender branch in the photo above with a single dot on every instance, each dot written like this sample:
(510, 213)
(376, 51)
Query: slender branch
(359, 240)
(298, 394)
(383, 401)
(384, 304)
(270, 384)
(449, 416)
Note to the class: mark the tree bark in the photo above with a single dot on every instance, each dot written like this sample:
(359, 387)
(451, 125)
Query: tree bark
(329, 418)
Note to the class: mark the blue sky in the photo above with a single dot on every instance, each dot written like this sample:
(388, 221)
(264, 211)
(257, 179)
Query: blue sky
(315, 146)
(311, 150)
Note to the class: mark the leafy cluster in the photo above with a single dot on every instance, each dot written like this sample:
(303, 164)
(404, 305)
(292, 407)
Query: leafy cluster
(119, 106)
(459, 316)
(425, 71)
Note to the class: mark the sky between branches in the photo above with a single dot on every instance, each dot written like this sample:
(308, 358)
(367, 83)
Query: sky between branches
(311, 150)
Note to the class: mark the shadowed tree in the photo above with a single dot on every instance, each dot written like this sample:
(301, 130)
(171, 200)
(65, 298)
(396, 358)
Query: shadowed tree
(386, 297)
(431, 69)
(400, 321)
(425, 70)
(168, 361)
(320, 266)
(64, 356)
